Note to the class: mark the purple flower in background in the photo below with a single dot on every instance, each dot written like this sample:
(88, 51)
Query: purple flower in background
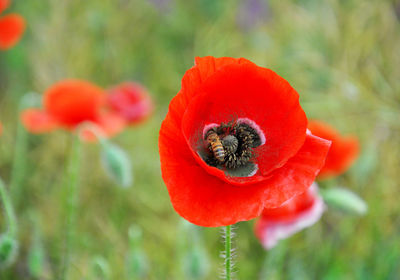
(162, 5)
(252, 12)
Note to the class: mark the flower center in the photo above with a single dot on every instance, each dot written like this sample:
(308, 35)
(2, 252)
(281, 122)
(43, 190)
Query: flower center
(230, 145)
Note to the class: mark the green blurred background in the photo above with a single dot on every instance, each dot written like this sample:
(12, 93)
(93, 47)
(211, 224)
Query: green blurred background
(343, 58)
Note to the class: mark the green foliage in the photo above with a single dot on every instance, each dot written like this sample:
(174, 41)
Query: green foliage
(341, 56)
(8, 250)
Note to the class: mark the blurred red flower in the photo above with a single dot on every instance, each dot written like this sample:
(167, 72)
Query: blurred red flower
(256, 116)
(343, 152)
(4, 5)
(131, 101)
(70, 103)
(294, 215)
(12, 27)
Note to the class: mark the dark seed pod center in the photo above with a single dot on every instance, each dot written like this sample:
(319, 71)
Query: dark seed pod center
(232, 146)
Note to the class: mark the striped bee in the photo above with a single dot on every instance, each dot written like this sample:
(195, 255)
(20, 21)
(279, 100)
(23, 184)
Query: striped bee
(216, 146)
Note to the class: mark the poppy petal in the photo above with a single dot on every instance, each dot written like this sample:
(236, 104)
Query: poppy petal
(270, 229)
(132, 101)
(204, 68)
(298, 173)
(74, 101)
(4, 5)
(245, 91)
(12, 27)
(37, 121)
(343, 153)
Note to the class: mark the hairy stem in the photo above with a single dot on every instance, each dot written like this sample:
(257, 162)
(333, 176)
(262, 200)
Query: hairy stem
(9, 211)
(72, 185)
(228, 252)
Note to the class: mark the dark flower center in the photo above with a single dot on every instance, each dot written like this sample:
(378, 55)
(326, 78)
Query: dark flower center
(230, 145)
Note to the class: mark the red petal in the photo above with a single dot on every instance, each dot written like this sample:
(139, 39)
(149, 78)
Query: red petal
(72, 102)
(131, 101)
(12, 27)
(343, 152)
(259, 94)
(204, 68)
(298, 173)
(4, 5)
(37, 121)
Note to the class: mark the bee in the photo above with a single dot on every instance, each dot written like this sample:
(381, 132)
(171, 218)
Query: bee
(216, 146)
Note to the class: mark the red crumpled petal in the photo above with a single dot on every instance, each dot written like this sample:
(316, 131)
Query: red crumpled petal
(343, 152)
(72, 102)
(132, 101)
(205, 200)
(255, 93)
(4, 5)
(12, 27)
(36, 121)
(293, 216)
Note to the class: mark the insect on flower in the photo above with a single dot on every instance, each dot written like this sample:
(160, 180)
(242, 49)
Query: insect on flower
(12, 26)
(234, 141)
(70, 103)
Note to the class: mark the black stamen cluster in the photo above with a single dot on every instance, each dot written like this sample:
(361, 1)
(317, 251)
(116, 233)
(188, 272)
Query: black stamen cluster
(238, 140)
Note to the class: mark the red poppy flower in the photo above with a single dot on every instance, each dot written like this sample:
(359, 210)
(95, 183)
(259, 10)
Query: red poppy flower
(70, 103)
(261, 155)
(343, 152)
(12, 27)
(294, 215)
(4, 5)
(130, 100)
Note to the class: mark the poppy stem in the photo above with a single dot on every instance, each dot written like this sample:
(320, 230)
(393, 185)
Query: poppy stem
(228, 252)
(19, 164)
(9, 211)
(72, 188)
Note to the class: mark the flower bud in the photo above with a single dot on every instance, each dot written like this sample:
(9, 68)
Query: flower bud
(100, 269)
(116, 164)
(8, 250)
(345, 200)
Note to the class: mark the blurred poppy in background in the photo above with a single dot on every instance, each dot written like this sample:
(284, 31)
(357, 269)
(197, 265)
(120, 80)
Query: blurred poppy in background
(294, 215)
(256, 116)
(343, 152)
(131, 101)
(70, 103)
(12, 26)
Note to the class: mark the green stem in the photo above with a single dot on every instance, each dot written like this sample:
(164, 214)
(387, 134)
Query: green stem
(19, 164)
(9, 211)
(72, 185)
(228, 250)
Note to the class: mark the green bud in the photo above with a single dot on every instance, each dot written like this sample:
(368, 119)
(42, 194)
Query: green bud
(345, 200)
(116, 164)
(100, 269)
(8, 250)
